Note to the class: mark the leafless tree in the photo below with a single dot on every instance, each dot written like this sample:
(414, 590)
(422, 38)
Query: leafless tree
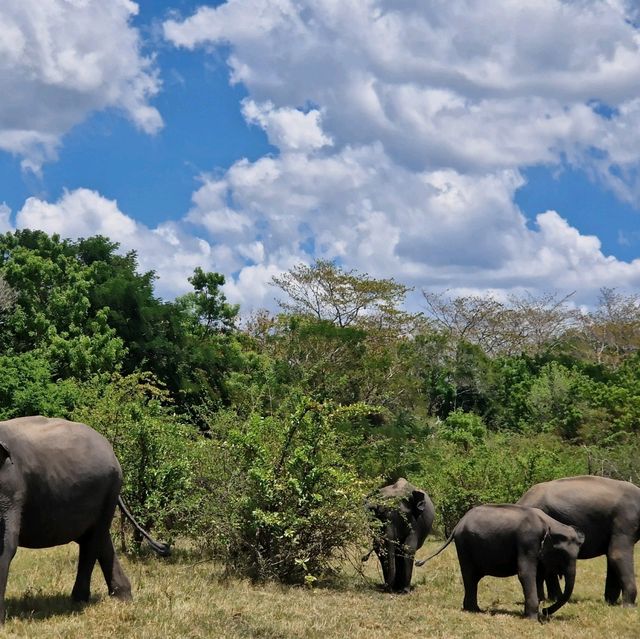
(522, 324)
(612, 331)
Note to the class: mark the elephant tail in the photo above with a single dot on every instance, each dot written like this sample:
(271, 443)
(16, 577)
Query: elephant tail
(422, 562)
(164, 550)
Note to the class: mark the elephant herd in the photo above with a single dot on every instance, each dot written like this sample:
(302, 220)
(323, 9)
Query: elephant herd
(539, 538)
(60, 481)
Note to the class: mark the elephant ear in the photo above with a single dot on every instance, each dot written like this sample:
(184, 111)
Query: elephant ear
(580, 536)
(546, 545)
(4, 453)
(418, 501)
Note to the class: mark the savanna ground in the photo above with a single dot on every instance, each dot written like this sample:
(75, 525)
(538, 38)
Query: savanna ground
(181, 598)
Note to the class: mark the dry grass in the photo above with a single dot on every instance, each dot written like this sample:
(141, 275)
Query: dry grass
(177, 599)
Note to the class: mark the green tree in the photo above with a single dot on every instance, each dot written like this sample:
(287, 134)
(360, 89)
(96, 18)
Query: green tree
(346, 298)
(52, 311)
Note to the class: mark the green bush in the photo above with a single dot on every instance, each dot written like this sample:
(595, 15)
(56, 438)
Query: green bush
(463, 429)
(280, 500)
(500, 469)
(155, 448)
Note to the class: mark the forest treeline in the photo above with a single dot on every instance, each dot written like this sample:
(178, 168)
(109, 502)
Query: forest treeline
(257, 437)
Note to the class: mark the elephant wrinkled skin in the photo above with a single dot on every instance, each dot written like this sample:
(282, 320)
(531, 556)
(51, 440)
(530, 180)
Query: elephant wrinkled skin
(404, 517)
(607, 511)
(60, 482)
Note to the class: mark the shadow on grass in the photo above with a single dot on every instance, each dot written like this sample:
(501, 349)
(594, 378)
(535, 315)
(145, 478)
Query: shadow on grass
(43, 606)
(517, 614)
(178, 556)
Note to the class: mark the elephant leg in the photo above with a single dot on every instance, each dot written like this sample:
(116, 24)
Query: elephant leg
(86, 561)
(399, 582)
(540, 582)
(612, 586)
(470, 581)
(527, 575)
(405, 570)
(406, 558)
(384, 564)
(117, 582)
(9, 533)
(620, 555)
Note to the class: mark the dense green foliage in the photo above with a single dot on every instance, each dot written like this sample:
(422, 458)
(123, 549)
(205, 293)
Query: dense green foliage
(259, 438)
(279, 492)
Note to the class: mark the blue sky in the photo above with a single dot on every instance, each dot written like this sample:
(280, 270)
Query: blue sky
(451, 145)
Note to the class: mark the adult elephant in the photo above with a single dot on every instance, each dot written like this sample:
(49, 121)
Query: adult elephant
(404, 517)
(60, 482)
(503, 540)
(608, 512)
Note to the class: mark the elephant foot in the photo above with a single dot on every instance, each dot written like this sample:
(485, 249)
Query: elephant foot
(471, 609)
(629, 604)
(122, 594)
(80, 597)
(541, 616)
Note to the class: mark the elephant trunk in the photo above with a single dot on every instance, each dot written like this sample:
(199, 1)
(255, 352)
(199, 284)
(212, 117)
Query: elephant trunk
(569, 582)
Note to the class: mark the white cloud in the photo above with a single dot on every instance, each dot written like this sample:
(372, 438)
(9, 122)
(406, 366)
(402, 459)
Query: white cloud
(5, 218)
(60, 60)
(445, 230)
(401, 127)
(465, 85)
(437, 229)
(288, 129)
(423, 117)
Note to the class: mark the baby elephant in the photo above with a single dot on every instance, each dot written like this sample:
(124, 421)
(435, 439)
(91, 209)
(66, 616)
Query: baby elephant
(405, 515)
(504, 540)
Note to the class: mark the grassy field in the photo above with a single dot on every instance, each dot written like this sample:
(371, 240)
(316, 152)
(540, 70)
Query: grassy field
(175, 598)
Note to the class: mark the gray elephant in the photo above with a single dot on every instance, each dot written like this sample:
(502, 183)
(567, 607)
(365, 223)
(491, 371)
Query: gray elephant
(503, 540)
(404, 517)
(60, 482)
(608, 512)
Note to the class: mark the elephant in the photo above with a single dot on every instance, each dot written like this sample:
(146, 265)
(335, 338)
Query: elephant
(404, 517)
(608, 512)
(60, 482)
(502, 540)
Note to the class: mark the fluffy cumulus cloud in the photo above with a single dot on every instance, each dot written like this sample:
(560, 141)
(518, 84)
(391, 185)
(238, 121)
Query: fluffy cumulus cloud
(60, 60)
(403, 127)
(466, 85)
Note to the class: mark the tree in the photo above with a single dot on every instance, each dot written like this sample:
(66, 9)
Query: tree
(522, 324)
(612, 332)
(207, 348)
(7, 295)
(208, 305)
(346, 298)
(52, 312)
(342, 334)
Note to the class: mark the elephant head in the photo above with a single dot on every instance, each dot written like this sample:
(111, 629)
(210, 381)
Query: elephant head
(558, 554)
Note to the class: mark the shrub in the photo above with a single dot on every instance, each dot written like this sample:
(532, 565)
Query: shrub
(497, 470)
(154, 447)
(281, 500)
(463, 429)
